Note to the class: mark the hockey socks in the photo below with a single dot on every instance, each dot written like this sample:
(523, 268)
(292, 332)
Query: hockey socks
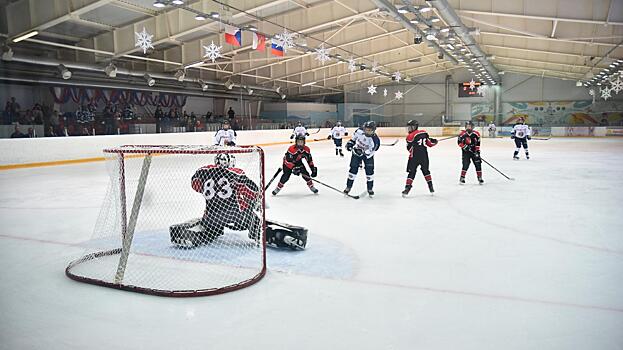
(310, 184)
(277, 189)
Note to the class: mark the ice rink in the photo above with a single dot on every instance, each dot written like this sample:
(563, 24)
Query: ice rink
(535, 263)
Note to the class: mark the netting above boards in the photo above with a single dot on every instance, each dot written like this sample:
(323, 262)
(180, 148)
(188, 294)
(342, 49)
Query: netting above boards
(178, 221)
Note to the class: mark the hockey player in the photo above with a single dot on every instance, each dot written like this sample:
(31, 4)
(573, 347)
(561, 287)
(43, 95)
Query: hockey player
(293, 164)
(225, 136)
(231, 199)
(521, 134)
(363, 145)
(336, 133)
(492, 129)
(299, 130)
(417, 142)
(469, 141)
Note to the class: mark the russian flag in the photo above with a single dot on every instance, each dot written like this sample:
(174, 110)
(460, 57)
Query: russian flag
(259, 42)
(233, 36)
(276, 50)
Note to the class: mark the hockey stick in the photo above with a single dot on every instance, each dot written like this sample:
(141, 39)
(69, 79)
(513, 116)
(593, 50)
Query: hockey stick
(272, 179)
(333, 188)
(448, 138)
(390, 144)
(496, 169)
(315, 132)
(540, 138)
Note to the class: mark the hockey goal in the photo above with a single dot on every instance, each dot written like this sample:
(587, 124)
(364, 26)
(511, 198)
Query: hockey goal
(179, 221)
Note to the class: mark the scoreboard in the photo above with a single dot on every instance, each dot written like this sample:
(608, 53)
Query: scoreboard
(466, 90)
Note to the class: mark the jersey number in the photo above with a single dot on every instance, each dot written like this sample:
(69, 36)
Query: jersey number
(520, 134)
(209, 190)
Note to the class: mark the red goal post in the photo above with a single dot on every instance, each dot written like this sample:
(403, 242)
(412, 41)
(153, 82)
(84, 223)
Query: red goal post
(149, 191)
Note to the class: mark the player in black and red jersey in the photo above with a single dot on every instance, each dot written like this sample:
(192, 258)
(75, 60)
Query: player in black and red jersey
(417, 142)
(469, 141)
(293, 164)
(232, 200)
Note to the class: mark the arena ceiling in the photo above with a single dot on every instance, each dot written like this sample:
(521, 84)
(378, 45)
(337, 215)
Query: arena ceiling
(567, 39)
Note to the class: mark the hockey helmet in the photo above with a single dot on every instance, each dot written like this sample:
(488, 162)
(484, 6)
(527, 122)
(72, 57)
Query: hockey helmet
(226, 125)
(299, 124)
(371, 126)
(520, 120)
(469, 126)
(338, 123)
(413, 125)
(225, 160)
(299, 141)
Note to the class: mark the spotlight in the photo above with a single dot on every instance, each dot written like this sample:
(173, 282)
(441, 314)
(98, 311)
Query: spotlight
(403, 10)
(431, 34)
(65, 73)
(251, 28)
(440, 56)
(111, 70)
(7, 53)
(578, 83)
(214, 15)
(249, 90)
(204, 86)
(445, 30)
(425, 9)
(414, 21)
(229, 84)
(278, 89)
(200, 17)
(180, 75)
(362, 67)
(434, 19)
(283, 96)
(150, 81)
(417, 40)
(178, 2)
(159, 4)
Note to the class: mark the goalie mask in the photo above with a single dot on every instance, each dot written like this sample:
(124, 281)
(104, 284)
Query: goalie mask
(225, 160)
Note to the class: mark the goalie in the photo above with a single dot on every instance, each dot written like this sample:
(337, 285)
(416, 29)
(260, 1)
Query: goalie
(232, 201)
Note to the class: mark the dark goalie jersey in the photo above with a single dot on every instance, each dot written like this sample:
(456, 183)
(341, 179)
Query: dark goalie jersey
(225, 189)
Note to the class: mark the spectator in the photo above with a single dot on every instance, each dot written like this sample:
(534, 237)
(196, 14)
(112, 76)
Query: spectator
(230, 113)
(17, 134)
(54, 121)
(208, 117)
(159, 115)
(31, 133)
(37, 114)
(12, 109)
(51, 132)
(128, 112)
(109, 120)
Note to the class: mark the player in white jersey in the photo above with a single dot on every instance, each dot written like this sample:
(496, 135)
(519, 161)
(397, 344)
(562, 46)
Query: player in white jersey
(336, 133)
(225, 136)
(364, 144)
(492, 129)
(521, 134)
(299, 130)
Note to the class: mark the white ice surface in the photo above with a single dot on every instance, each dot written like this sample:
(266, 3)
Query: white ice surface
(532, 264)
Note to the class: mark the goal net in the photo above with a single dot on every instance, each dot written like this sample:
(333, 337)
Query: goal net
(178, 221)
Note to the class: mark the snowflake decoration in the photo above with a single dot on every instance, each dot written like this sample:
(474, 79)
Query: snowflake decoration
(351, 65)
(397, 76)
(591, 92)
(472, 84)
(212, 52)
(322, 54)
(398, 95)
(285, 40)
(375, 67)
(385, 92)
(372, 89)
(617, 85)
(482, 90)
(606, 93)
(143, 40)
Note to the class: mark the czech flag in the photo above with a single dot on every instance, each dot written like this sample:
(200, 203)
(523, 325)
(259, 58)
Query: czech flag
(276, 50)
(259, 42)
(233, 36)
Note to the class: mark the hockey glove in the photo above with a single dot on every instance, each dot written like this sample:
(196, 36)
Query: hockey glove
(434, 141)
(291, 136)
(349, 145)
(512, 137)
(306, 134)
(346, 133)
(329, 137)
(296, 171)
(358, 152)
(230, 143)
(314, 172)
(528, 137)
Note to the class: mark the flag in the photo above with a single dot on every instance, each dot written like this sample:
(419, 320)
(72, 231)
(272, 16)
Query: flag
(259, 42)
(276, 50)
(233, 35)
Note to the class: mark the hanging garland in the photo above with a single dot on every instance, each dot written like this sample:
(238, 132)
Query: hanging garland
(140, 98)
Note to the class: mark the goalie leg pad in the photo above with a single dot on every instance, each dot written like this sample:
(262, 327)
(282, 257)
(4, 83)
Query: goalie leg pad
(286, 236)
(193, 233)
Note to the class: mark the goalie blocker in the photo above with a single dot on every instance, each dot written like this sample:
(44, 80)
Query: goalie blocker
(198, 232)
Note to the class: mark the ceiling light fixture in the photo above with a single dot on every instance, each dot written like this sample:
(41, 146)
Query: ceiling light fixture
(25, 36)
(159, 4)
